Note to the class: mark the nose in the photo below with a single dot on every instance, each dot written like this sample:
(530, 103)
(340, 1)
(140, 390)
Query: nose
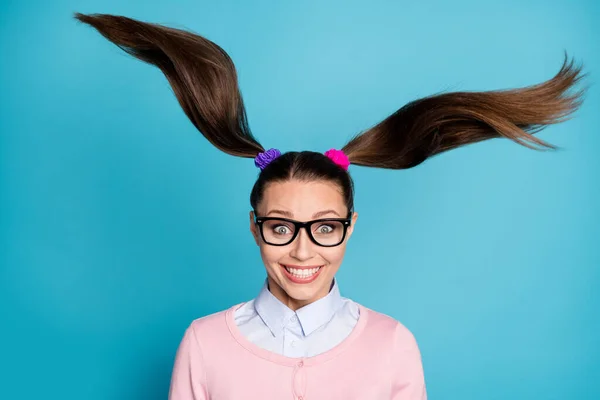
(302, 247)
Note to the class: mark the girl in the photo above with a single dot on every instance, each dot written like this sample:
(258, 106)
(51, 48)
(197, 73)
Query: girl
(299, 338)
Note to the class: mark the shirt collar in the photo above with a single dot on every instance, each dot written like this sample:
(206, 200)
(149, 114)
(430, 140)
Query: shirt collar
(276, 315)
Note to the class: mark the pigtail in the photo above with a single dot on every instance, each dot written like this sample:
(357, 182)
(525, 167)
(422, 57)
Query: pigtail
(201, 74)
(432, 125)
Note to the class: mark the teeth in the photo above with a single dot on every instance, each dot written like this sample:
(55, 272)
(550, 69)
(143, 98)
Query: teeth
(302, 273)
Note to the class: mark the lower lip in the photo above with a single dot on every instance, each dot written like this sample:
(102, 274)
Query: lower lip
(296, 279)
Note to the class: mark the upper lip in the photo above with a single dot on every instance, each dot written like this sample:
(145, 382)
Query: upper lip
(301, 267)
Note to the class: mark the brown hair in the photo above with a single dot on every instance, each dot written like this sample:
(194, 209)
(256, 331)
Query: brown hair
(204, 80)
(201, 74)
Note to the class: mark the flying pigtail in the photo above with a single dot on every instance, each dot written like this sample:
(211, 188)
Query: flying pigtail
(201, 74)
(432, 125)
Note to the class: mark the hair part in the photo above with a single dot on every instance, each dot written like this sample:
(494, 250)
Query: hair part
(304, 166)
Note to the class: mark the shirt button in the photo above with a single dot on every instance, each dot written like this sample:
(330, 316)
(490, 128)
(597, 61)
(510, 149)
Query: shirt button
(293, 344)
(300, 398)
(301, 363)
(294, 318)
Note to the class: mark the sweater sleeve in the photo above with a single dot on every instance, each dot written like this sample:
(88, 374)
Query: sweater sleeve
(408, 382)
(188, 379)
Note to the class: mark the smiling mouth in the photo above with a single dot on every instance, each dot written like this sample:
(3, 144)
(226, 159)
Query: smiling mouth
(302, 275)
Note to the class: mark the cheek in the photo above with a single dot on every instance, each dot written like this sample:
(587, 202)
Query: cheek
(334, 256)
(271, 254)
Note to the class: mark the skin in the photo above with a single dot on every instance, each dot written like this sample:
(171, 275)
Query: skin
(301, 201)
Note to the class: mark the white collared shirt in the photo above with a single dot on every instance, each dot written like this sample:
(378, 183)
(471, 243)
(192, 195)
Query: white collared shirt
(311, 330)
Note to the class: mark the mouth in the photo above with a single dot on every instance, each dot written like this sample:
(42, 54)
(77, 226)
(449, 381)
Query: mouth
(301, 274)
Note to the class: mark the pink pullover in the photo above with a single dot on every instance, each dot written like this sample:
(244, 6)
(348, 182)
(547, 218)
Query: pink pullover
(380, 360)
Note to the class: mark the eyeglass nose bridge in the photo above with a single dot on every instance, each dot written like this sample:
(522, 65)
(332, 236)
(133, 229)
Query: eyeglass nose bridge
(306, 226)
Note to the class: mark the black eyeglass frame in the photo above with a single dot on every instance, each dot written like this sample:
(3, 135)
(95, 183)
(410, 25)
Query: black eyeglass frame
(346, 222)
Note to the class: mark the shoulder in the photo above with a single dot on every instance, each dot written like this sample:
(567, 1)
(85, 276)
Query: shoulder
(212, 324)
(389, 327)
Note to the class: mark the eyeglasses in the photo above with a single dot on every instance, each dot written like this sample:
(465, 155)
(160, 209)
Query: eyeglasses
(327, 232)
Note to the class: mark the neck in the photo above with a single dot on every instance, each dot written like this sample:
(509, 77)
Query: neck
(292, 303)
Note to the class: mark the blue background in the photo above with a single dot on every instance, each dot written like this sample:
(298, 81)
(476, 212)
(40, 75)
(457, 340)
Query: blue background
(119, 223)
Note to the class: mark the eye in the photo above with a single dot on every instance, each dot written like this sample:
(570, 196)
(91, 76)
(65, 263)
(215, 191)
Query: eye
(281, 230)
(325, 229)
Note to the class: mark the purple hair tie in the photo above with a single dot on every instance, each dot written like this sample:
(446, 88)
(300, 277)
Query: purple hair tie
(265, 158)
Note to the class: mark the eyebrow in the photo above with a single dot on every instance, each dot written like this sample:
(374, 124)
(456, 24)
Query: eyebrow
(291, 215)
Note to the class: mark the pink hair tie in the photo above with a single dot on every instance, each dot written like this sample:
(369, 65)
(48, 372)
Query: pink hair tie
(338, 157)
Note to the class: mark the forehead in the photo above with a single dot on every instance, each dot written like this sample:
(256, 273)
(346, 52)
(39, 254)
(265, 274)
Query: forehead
(303, 199)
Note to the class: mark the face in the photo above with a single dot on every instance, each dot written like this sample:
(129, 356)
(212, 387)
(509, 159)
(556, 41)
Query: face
(291, 268)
